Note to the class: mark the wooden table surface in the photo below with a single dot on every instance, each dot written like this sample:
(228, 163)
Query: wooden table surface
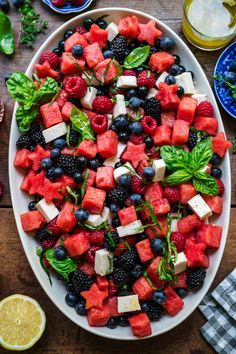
(61, 335)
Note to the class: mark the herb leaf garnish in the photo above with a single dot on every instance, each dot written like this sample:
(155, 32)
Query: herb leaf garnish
(81, 124)
(63, 267)
(136, 57)
(6, 35)
(83, 187)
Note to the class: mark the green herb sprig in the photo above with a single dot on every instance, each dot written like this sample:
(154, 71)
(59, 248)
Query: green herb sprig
(137, 57)
(81, 124)
(63, 267)
(149, 209)
(84, 184)
(73, 194)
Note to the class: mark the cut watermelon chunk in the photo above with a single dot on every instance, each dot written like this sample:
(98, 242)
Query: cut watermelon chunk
(168, 119)
(88, 269)
(127, 215)
(43, 71)
(105, 178)
(94, 297)
(167, 95)
(97, 35)
(66, 111)
(37, 156)
(93, 55)
(128, 27)
(113, 306)
(173, 303)
(162, 135)
(76, 38)
(94, 200)
(152, 273)
(206, 124)
(195, 254)
(187, 192)
(87, 148)
(66, 181)
(37, 184)
(66, 219)
(151, 234)
(22, 159)
(27, 181)
(62, 98)
(107, 144)
(220, 144)
(102, 282)
(77, 244)
(98, 317)
(210, 235)
(32, 220)
(215, 203)
(144, 250)
(91, 178)
(140, 325)
(187, 108)
(180, 132)
(107, 70)
(181, 280)
(71, 65)
(51, 114)
(189, 223)
(148, 32)
(161, 61)
(143, 289)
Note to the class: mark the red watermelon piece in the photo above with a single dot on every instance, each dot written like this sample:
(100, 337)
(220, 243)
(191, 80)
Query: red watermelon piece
(152, 273)
(71, 65)
(27, 181)
(220, 144)
(173, 303)
(209, 234)
(128, 27)
(22, 159)
(158, 232)
(143, 289)
(36, 157)
(162, 135)
(94, 297)
(87, 148)
(180, 132)
(148, 32)
(32, 220)
(77, 244)
(215, 202)
(140, 325)
(187, 108)
(107, 70)
(127, 215)
(66, 111)
(66, 219)
(102, 282)
(188, 223)
(105, 178)
(51, 114)
(134, 154)
(167, 95)
(98, 317)
(161, 61)
(93, 55)
(144, 250)
(195, 254)
(206, 124)
(43, 71)
(62, 98)
(112, 303)
(168, 118)
(94, 200)
(181, 280)
(187, 192)
(97, 35)
(76, 38)
(107, 143)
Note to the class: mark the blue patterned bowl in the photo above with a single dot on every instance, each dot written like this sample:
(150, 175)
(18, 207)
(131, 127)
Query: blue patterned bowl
(68, 8)
(222, 91)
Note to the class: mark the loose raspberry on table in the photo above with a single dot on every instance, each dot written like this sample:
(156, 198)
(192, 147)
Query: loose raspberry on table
(49, 243)
(53, 229)
(75, 86)
(90, 254)
(137, 138)
(149, 125)
(137, 185)
(146, 78)
(205, 109)
(128, 72)
(102, 105)
(179, 240)
(51, 58)
(220, 185)
(96, 238)
(80, 29)
(172, 194)
(99, 123)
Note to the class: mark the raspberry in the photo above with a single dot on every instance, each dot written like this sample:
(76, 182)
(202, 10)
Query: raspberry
(51, 58)
(220, 185)
(128, 73)
(146, 78)
(102, 105)
(205, 109)
(49, 243)
(112, 288)
(96, 238)
(75, 86)
(179, 240)
(137, 138)
(99, 123)
(172, 194)
(149, 125)
(53, 229)
(137, 185)
(80, 29)
(1, 190)
(90, 254)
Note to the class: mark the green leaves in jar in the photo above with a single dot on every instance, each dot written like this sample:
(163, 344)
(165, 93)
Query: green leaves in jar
(81, 124)
(137, 57)
(7, 45)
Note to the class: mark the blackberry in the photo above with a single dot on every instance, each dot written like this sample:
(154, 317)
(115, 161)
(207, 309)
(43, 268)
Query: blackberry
(195, 137)
(118, 195)
(23, 142)
(34, 128)
(152, 107)
(111, 240)
(73, 138)
(155, 311)
(42, 235)
(119, 47)
(196, 278)
(80, 281)
(153, 50)
(120, 277)
(68, 164)
(38, 138)
(128, 259)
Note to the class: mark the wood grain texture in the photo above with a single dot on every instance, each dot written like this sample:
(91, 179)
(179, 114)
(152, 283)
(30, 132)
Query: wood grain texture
(64, 337)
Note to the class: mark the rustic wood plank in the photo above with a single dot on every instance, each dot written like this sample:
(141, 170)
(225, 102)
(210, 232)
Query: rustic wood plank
(64, 337)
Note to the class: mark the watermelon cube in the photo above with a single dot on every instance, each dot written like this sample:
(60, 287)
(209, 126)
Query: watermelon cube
(37, 184)
(22, 159)
(43, 71)
(167, 95)
(71, 65)
(66, 219)
(188, 223)
(181, 280)
(32, 220)
(220, 144)
(128, 27)
(187, 108)
(51, 114)
(195, 254)
(173, 303)
(98, 317)
(94, 200)
(87, 148)
(51, 191)
(215, 202)
(66, 111)
(105, 178)
(210, 235)
(62, 98)
(106, 70)
(159, 232)
(161, 61)
(93, 55)
(27, 181)
(187, 192)
(112, 303)
(66, 181)
(140, 325)
(144, 250)
(77, 244)
(161, 207)
(180, 132)
(36, 157)
(88, 269)
(102, 282)
(153, 192)
(97, 35)
(107, 144)
(168, 118)
(152, 273)
(91, 178)
(127, 215)
(143, 289)
(206, 124)
(162, 135)
(76, 38)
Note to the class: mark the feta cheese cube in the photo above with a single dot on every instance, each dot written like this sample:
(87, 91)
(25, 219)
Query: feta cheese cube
(87, 100)
(126, 82)
(128, 303)
(54, 132)
(198, 205)
(185, 80)
(103, 262)
(126, 169)
(180, 264)
(152, 93)
(113, 31)
(109, 118)
(120, 107)
(200, 97)
(48, 210)
(159, 167)
(90, 78)
(161, 78)
(94, 220)
(106, 215)
(133, 228)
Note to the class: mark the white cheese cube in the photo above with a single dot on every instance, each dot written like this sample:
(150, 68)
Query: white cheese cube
(133, 228)
(128, 303)
(152, 93)
(185, 80)
(159, 167)
(111, 161)
(126, 169)
(90, 78)
(103, 262)
(120, 107)
(48, 210)
(87, 100)
(200, 97)
(198, 205)
(94, 220)
(180, 264)
(54, 132)
(113, 31)
(109, 118)
(161, 78)
(106, 215)
(126, 82)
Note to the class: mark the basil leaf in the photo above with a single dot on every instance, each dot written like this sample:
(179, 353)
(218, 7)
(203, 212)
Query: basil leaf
(25, 117)
(204, 183)
(63, 267)
(47, 91)
(21, 89)
(201, 154)
(175, 158)
(177, 177)
(136, 57)
(6, 35)
(81, 124)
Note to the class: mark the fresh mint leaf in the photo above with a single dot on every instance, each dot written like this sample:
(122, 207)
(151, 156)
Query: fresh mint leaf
(201, 154)
(204, 183)
(7, 45)
(175, 158)
(73, 194)
(81, 124)
(21, 89)
(177, 177)
(137, 57)
(63, 267)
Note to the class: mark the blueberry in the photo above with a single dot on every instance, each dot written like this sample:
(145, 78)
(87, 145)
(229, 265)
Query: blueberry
(230, 77)
(123, 321)
(68, 33)
(170, 80)
(50, 173)
(4, 5)
(81, 215)
(216, 172)
(145, 307)
(108, 54)
(149, 142)
(121, 122)
(78, 177)
(118, 164)
(61, 45)
(55, 153)
(180, 91)
(136, 128)
(167, 43)
(115, 222)
(139, 70)
(88, 22)
(143, 91)
(32, 206)
(60, 253)
(17, 3)
(81, 163)
(125, 180)
(57, 51)
(114, 207)
(181, 69)
(174, 70)
(148, 173)
(215, 160)
(177, 59)
(136, 198)
(101, 23)
(232, 66)
(157, 244)
(159, 296)
(93, 164)
(182, 292)
(137, 271)
(58, 171)
(77, 50)
(123, 137)
(131, 93)
(59, 143)
(112, 324)
(80, 308)
(134, 102)
(71, 299)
